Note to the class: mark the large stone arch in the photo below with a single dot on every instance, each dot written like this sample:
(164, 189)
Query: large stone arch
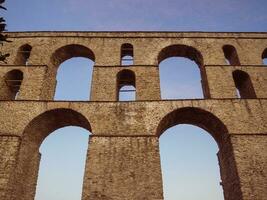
(190, 52)
(217, 129)
(181, 50)
(69, 51)
(197, 117)
(60, 55)
(36, 131)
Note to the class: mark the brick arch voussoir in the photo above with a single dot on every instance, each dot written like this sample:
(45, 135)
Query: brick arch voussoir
(45, 123)
(197, 117)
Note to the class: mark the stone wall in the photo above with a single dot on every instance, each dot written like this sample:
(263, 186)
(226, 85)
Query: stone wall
(123, 156)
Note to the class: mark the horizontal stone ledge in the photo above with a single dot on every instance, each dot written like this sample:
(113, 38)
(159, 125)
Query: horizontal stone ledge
(129, 136)
(136, 101)
(138, 34)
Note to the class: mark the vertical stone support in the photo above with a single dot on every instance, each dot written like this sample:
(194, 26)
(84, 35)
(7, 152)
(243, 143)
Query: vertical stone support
(243, 162)
(220, 81)
(251, 161)
(30, 179)
(204, 83)
(103, 86)
(120, 168)
(229, 175)
(147, 83)
(33, 177)
(104, 83)
(9, 147)
(32, 84)
(249, 57)
(27, 172)
(49, 85)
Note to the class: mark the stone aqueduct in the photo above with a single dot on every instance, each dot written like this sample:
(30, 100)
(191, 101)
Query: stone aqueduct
(123, 157)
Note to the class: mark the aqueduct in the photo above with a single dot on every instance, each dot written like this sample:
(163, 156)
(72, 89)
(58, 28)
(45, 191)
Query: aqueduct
(125, 134)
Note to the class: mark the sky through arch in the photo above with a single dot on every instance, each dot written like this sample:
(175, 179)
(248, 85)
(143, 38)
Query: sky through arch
(74, 77)
(59, 162)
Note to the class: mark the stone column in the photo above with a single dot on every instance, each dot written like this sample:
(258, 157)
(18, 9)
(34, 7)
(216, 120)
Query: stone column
(9, 147)
(120, 168)
(27, 172)
(243, 162)
(229, 175)
(250, 154)
(50, 82)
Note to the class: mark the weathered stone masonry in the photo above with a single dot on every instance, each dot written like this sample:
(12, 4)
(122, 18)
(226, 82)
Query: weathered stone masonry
(123, 156)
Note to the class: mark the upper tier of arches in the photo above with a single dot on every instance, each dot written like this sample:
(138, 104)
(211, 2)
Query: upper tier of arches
(144, 47)
(108, 52)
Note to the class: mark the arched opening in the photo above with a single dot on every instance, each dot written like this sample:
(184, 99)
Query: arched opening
(74, 77)
(74, 65)
(212, 125)
(13, 80)
(264, 57)
(230, 54)
(23, 55)
(29, 157)
(182, 75)
(243, 84)
(189, 164)
(126, 86)
(61, 168)
(127, 54)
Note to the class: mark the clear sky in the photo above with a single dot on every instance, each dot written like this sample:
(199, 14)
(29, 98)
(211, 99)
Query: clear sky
(169, 15)
(188, 154)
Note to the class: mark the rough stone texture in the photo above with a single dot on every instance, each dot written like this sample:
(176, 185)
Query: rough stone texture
(123, 156)
(32, 84)
(221, 85)
(9, 146)
(251, 164)
(105, 83)
(111, 156)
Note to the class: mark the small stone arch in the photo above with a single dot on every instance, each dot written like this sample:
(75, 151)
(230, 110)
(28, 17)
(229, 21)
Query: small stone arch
(125, 77)
(23, 55)
(231, 55)
(13, 81)
(243, 84)
(35, 132)
(69, 51)
(218, 130)
(127, 54)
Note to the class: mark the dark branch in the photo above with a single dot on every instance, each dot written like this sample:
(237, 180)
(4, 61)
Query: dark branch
(3, 7)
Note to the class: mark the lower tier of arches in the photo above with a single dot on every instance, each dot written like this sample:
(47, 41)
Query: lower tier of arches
(123, 160)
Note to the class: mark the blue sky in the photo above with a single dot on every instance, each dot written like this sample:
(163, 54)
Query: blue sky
(188, 153)
(170, 15)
